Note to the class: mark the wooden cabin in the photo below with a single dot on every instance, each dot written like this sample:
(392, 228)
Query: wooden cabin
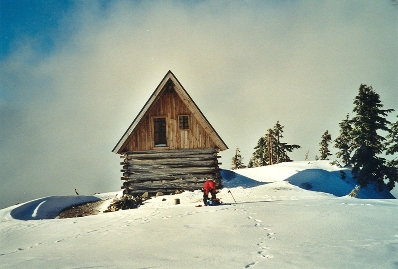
(170, 145)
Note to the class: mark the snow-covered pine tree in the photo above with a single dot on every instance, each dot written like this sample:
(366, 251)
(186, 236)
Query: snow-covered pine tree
(392, 149)
(392, 143)
(278, 134)
(270, 149)
(324, 149)
(354, 193)
(367, 143)
(280, 149)
(260, 154)
(344, 141)
(251, 163)
(237, 160)
(285, 148)
(270, 136)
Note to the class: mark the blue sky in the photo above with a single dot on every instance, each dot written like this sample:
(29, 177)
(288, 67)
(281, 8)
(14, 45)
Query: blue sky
(74, 74)
(30, 19)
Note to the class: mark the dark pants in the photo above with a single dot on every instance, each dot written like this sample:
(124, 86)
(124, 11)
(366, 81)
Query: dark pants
(206, 196)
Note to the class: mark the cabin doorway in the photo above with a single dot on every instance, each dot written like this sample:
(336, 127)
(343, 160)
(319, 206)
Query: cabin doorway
(159, 127)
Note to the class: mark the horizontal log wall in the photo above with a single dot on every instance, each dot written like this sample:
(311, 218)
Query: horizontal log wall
(168, 170)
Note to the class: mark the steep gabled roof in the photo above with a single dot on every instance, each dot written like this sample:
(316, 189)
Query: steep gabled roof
(188, 102)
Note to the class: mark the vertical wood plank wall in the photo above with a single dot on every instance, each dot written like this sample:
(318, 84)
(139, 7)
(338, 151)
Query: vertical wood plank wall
(170, 106)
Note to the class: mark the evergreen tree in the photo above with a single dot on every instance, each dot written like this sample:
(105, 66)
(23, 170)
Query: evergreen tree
(306, 155)
(367, 143)
(237, 160)
(344, 141)
(280, 149)
(251, 163)
(270, 149)
(392, 143)
(392, 149)
(277, 145)
(260, 154)
(324, 149)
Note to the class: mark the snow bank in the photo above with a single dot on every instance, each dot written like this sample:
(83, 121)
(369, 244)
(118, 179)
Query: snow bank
(316, 176)
(47, 207)
(319, 176)
(232, 179)
(282, 171)
(285, 216)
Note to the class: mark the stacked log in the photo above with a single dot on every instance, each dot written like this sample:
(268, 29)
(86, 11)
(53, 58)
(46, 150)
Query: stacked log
(168, 171)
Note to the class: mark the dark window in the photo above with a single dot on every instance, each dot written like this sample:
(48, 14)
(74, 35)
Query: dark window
(184, 122)
(159, 126)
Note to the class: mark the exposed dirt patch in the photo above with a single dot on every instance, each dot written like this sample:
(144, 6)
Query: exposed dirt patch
(81, 210)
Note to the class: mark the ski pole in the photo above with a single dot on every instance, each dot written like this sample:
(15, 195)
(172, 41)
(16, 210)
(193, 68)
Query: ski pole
(232, 196)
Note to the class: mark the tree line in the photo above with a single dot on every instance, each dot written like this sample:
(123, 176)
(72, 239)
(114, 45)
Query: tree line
(360, 143)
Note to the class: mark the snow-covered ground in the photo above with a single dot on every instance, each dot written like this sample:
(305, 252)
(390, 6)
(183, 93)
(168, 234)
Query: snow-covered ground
(291, 215)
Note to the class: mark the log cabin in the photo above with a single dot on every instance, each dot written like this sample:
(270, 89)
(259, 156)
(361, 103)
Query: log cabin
(170, 146)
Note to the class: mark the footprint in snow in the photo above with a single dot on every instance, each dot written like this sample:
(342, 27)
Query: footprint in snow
(250, 264)
(258, 222)
(264, 255)
(263, 251)
(271, 236)
(145, 220)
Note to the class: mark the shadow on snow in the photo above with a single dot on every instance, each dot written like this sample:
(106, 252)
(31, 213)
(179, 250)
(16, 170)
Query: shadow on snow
(230, 179)
(320, 180)
(48, 207)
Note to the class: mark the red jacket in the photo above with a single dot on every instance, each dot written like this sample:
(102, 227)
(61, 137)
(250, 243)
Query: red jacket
(209, 186)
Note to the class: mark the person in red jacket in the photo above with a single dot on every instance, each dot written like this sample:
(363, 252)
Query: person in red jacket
(209, 187)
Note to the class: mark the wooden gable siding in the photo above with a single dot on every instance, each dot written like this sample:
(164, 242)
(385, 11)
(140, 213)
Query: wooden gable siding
(170, 106)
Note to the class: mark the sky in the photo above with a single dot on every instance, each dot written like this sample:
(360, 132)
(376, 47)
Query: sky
(74, 74)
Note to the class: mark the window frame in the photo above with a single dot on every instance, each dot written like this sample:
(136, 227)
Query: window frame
(159, 145)
(182, 123)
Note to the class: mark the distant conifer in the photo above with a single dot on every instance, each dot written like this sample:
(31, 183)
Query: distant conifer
(324, 149)
(392, 149)
(344, 141)
(237, 160)
(270, 149)
(306, 156)
(260, 154)
(392, 143)
(367, 142)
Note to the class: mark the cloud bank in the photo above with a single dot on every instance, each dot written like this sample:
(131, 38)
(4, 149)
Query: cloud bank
(246, 65)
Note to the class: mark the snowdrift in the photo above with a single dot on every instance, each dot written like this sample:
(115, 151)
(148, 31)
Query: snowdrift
(231, 179)
(318, 176)
(285, 216)
(48, 207)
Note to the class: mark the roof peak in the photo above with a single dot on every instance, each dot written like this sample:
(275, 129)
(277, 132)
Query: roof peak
(186, 98)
